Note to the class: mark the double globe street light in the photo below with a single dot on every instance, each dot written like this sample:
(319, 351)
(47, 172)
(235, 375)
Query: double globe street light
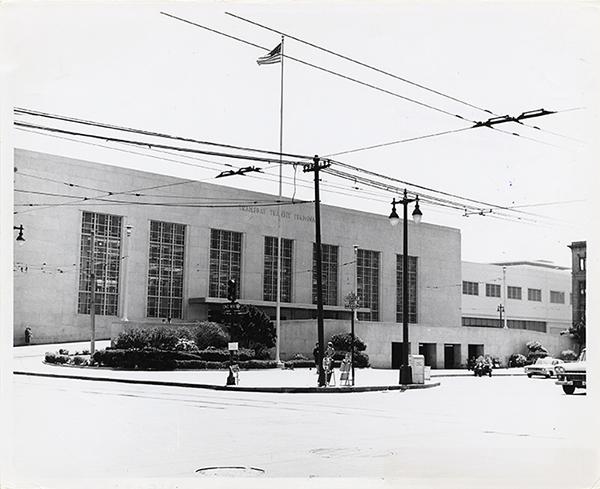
(405, 368)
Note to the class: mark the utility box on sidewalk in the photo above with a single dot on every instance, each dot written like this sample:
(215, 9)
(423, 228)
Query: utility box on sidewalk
(417, 362)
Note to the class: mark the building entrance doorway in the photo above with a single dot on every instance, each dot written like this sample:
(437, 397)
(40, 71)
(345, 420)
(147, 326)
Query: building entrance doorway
(475, 351)
(428, 351)
(451, 356)
(397, 354)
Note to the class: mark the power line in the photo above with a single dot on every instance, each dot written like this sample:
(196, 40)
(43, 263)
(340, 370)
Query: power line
(190, 164)
(387, 73)
(104, 125)
(364, 148)
(141, 143)
(331, 72)
(352, 60)
(164, 204)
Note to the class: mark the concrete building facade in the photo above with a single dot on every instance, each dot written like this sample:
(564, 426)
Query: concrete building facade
(578, 257)
(165, 248)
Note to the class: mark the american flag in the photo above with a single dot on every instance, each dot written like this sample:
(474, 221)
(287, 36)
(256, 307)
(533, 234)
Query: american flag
(273, 57)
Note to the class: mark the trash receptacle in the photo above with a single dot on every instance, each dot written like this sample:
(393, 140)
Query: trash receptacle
(417, 362)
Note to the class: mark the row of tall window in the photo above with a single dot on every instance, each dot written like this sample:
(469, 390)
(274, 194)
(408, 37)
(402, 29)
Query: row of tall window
(100, 260)
(512, 292)
(510, 323)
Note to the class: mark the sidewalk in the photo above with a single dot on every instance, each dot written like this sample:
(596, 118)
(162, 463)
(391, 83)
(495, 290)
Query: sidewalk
(28, 360)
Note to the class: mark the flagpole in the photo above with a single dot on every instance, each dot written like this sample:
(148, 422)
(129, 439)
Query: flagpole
(278, 306)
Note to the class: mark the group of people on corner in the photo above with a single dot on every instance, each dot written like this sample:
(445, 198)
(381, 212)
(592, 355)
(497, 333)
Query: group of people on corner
(327, 362)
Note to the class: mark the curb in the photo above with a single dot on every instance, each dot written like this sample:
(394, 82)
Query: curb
(286, 390)
(522, 374)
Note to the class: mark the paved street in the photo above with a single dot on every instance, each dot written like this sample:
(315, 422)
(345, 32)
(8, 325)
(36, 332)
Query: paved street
(472, 432)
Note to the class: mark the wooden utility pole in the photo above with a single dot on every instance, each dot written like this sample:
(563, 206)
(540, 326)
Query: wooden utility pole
(315, 167)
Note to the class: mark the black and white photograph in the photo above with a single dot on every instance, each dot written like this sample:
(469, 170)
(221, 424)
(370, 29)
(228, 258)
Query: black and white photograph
(299, 244)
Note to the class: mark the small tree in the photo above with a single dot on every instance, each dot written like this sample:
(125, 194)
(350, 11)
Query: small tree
(252, 328)
(577, 331)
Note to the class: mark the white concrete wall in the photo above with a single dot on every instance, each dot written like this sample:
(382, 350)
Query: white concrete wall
(301, 336)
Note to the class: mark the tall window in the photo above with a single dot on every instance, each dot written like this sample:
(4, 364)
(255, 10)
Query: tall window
(329, 269)
(557, 297)
(270, 270)
(470, 288)
(534, 295)
(225, 261)
(581, 263)
(165, 270)
(367, 272)
(412, 289)
(513, 292)
(492, 290)
(104, 260)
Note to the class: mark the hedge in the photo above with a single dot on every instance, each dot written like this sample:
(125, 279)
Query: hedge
(204, 365)
(167, 360)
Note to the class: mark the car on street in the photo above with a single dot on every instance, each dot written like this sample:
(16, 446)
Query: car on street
(572, 375)
(545, 367)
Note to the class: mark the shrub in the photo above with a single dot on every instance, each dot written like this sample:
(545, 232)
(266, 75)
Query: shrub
(56, 358)
(63, 351)
(134, 339)
(184, 344)
(343, 342)
(517, 360)
(262, 353)
(253, 328)
(190, 364)
(568, 355)
(210, 334)
(141, 359)
(256, 364)
(77, 360)
(299, 363)
(165, 338)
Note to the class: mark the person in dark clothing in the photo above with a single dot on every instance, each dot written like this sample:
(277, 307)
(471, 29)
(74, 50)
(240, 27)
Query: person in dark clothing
(317, 357)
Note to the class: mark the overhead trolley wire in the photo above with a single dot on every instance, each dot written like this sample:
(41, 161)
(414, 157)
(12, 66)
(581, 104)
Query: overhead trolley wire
(104, 125)
(352, 60)
(416, 138)
(162, 146)
(326, 70)
(387, 73)
(429, 189)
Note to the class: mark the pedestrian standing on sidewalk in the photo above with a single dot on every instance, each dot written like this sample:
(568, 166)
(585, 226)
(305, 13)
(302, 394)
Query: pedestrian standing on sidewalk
(328, 361)
(317, 358)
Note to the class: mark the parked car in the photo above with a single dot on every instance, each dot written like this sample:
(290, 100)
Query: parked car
(543, 366)
(572, 375)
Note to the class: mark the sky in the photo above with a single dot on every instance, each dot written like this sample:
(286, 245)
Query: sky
(126, 64)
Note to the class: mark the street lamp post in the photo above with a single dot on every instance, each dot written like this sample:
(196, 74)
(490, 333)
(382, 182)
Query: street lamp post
(92, 296)
(405, 368)
(500, 309)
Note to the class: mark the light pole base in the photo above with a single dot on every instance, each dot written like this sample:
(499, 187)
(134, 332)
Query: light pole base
(405, 375)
